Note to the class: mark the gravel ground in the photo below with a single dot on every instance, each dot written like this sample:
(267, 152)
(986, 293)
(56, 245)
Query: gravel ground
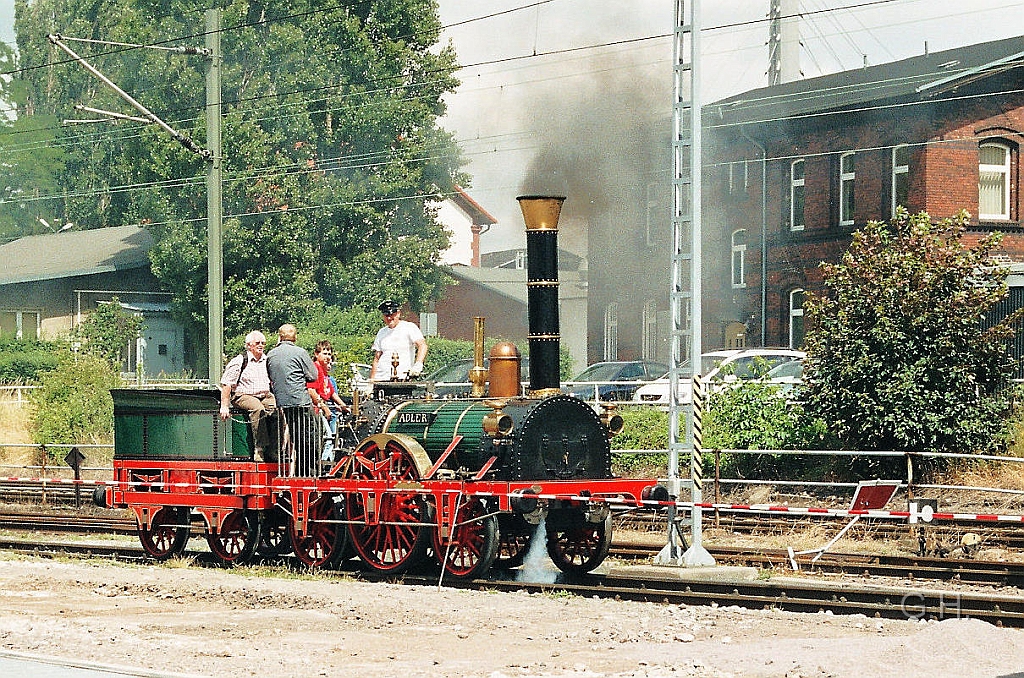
(246, 622)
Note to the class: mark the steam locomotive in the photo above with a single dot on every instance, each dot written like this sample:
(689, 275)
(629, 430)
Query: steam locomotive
(473, 480)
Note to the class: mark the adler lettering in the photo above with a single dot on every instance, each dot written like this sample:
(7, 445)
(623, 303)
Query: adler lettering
(425, 418)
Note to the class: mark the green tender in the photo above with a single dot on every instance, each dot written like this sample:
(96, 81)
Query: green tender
(175, 424)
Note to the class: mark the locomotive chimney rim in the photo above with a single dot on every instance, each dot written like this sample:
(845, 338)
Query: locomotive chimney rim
(541, 212)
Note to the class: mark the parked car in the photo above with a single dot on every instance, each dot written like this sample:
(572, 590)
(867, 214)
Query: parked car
(719, 367)
(452, 380)
(788, 376)
(360, 379)
(614, 380)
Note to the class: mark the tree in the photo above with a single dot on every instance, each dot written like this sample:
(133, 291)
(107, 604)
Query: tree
(896, 354)
(333, 156)
(109, 332)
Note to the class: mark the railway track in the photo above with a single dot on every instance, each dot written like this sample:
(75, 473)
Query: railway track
(637, 584)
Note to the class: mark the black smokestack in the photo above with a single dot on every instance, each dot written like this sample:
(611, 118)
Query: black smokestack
(540, 212)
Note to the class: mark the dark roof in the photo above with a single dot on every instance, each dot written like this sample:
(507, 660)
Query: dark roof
(73, 253)
(918, 77)
(477, 214)
(567, 261)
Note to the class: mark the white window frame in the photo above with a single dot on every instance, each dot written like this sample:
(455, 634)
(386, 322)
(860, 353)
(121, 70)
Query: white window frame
(847, 183)
(795, 311)
(1002, 170)
(20, 316)
(795, 186)
(738, 262)
(899, 171)
(649, 341)
(611, 331)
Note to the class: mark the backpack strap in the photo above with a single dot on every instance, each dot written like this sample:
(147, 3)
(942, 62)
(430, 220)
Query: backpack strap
(245, 361)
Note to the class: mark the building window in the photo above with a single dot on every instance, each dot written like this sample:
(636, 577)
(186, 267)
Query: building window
(738, 178)
(653, 213)
(739, 258)
(650, 330)
(994, 182)
(846, 198)
(20, 324)
(796, 318)
(520, 262)
(900, 176)
(796, 196)
(611, 331)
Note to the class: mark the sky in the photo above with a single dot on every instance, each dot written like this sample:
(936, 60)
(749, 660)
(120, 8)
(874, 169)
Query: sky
(511, 104)
(553, 74)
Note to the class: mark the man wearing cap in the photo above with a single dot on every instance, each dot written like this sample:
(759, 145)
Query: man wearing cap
(397, 338)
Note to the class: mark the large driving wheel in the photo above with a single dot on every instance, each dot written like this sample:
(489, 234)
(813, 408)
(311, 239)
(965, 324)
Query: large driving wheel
(236, 540)
(513, 540)
(473, 545)
(274, 538)
(167, 534)
(576, 546)
(400, 536)
(321, 545)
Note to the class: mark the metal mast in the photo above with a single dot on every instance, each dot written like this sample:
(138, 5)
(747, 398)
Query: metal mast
(214, 203)
(686, 255)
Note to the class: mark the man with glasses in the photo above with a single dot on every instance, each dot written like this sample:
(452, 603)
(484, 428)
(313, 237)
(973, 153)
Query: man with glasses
(399, 341)
(246, 385)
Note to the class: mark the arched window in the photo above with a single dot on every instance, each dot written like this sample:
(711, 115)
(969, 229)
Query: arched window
(739, 258)
(900, 176)
(796, 196)
(796, 318)
(847, 175)
(994, 181)
(611, 331)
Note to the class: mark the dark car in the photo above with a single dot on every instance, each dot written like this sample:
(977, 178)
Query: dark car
(452, 380)
(613, 380)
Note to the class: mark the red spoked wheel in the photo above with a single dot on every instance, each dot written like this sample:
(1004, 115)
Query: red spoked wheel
(274, 538)
(321, 545)
(513, 540)
(167, 534)
(396, 537)
(236, 540)
(576, 546)
(473, 545)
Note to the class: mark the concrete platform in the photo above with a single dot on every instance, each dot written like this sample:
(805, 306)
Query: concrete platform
(715, 573)
(24, 665)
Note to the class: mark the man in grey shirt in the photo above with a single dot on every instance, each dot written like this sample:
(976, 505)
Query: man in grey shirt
(290, 367)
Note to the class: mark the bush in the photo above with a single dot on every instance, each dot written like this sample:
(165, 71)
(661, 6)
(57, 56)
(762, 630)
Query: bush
(73, 403)
(643, 428)
(22, 360)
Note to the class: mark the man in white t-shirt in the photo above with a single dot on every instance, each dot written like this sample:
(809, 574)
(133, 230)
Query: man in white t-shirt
(397, 338)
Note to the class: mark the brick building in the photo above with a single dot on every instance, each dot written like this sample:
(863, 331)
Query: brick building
(793, 169)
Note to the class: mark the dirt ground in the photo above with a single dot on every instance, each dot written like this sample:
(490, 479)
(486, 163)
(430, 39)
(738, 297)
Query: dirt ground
(202, 622)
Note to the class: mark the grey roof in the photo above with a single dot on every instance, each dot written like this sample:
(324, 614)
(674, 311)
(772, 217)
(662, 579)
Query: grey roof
(74, 253)
(508, 282)
(918, 77)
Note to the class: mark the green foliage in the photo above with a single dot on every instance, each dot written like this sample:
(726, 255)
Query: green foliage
(73, 403)
(109, 331)
(897, 357)
(333, 157)
(753, 415)
(22, 360)
(643, 428)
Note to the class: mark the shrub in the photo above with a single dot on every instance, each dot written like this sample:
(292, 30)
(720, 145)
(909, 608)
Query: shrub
(73, 403)
(24, 360)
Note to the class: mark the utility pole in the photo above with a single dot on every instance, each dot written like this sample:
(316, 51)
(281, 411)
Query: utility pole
(212, 154)
(214, 201)
(686, 220)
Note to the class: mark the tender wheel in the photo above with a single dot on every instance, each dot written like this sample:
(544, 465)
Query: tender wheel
(473, 545)
(274, 538)
(236, 540)
(321, 546)
(513, 540)
(400, 535)
(167, 534)
(576, 546)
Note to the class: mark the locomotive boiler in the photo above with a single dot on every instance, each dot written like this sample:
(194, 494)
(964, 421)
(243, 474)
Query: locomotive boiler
(475, 480)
